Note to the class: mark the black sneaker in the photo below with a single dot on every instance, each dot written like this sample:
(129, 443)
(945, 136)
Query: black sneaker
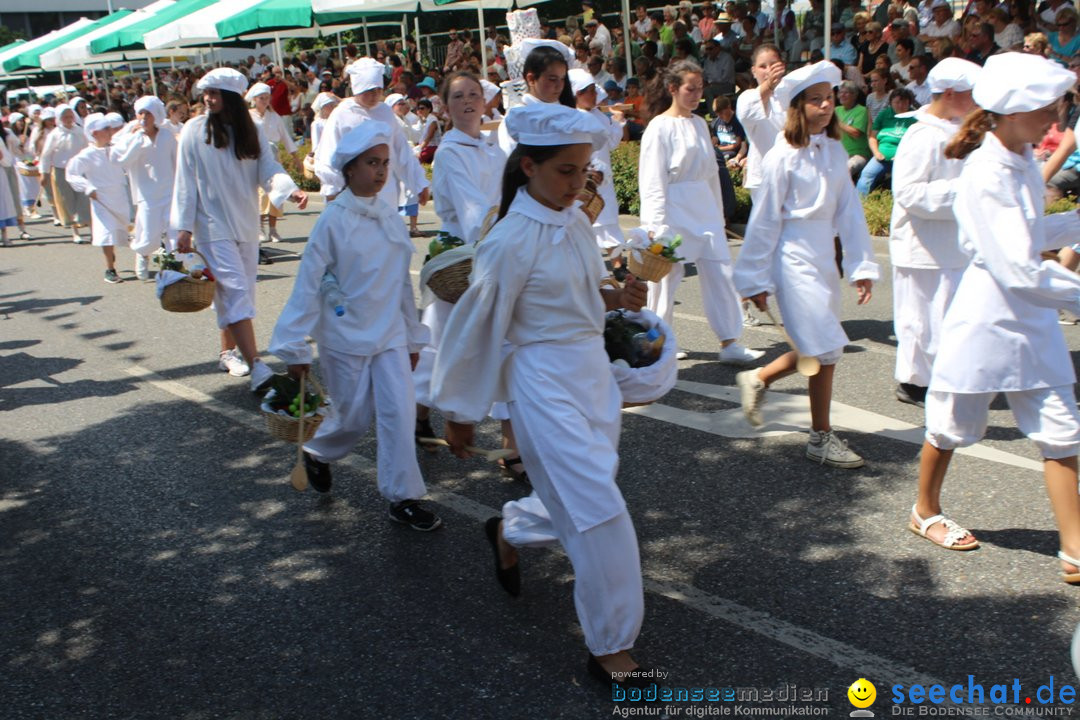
(424, 430)
(409, 512)
(264, 258)
(318, 473)
(112, 278)
(911, 394)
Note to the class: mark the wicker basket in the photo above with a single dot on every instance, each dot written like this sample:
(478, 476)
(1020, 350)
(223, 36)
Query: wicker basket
(287, 427)
(189, 294)
(449, 284)
(651, 267)
(29, 172)
(309, 167)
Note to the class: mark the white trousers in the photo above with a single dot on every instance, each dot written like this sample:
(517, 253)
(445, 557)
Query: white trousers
(920, 298)
(152, 227)
(723, 309)
(608, 592)
(365, 386)
(1047, 416)
(235, 266)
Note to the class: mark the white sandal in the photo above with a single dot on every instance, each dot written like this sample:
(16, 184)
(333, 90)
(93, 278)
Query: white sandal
(953, 533)
(1073, 578)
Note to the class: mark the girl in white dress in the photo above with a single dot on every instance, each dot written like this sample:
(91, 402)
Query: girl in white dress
(97, 173)
(62, 144)
(14, 142)
(759, 112)
(223, 157)
(806, 198)
(367, 354)
(680, 191)
(273, 128)
(39, 133)
(536, 282)
(1001, 333)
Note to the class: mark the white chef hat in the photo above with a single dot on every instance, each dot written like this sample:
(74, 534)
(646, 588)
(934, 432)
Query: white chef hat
(359, 140)
(548, 124)
(223, 79)
(323, 99)
(940, 3)
(61, 109)
(152, 105)
(393, 99)
(114, 120)
(15, 117)
(580, 80)
(798, 80)
(366, 74)
(953, 74)
(75, 102)
(530, 44)
(48, 113)
(1018, 82)
(259, 88)
(94, 122)
(34, 109)
(490, 90)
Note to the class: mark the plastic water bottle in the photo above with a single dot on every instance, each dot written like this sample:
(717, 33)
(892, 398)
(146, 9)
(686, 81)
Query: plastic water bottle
(647, 347)
(331, 291)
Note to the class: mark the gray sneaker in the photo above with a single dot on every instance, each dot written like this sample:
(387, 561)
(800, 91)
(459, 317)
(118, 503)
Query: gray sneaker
(752, 389)
(111, 277)
(828, 449)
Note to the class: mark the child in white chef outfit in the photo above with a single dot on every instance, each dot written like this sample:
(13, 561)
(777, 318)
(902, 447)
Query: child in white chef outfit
(148, 153)
(273, 128)
(1001, 333)
(536, 282)
(367, 355)
(680, 190)
(806, 198)
(96, 172)
(924, 243)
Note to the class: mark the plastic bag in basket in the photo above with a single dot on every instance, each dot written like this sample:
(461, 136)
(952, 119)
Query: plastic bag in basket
(648, 384)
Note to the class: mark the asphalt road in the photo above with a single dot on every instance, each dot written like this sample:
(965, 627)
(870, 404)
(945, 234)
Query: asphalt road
(155, 562)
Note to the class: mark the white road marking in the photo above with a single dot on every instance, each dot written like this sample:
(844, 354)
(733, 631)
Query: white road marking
(844, 656)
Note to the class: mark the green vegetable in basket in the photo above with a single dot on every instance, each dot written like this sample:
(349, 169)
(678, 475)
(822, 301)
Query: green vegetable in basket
(441, 243)
(619, 332)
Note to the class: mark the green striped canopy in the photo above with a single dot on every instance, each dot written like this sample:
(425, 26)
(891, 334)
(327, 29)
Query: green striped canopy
(131, 37)
(274, 15)
(31, 59)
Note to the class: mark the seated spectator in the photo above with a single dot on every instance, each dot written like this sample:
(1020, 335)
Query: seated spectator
(854, 123)
(942, 23)
(981, 44)
(885, 135)
(877, 99)
(873, 46)
(920, 69)
(1007, 34)
(1036, 43)
(613, 93)
(729, 142)
(635, 120)
(1065, 42)
(840, 48)
(905, 51)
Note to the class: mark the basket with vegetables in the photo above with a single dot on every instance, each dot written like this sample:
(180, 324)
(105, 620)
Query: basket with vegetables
(28, 167)
(642, 350)
(184, 284)
(448, 277)
(282, 407)
(652, 254)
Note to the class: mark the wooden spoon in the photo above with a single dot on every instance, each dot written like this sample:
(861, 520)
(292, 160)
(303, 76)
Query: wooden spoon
(492, 455)
(807, 366)
(298, 476)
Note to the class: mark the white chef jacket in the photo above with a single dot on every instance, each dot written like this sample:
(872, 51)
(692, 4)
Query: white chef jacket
(467, 183)
(173, 127)
(96, 169)
(8, 207)
(1001, 332)
(806, 198)
(317, 127)
(923, 231)
(680, 186)
(347, 115)
(214, 195)
(60, 146)
(363, 242)
(761, 130)
(273, 127)
(601, 160)
(151, 164)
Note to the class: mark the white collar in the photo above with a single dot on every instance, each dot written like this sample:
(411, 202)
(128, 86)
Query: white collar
(457, 136)
(525, 204)
(1006, 156)
(375, 209)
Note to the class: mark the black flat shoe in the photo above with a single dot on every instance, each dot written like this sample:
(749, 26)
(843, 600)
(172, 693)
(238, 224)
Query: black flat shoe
(911, 394)
(519, 475)
(639, 678)
(424, 430)
(509, 578)
(318, 473)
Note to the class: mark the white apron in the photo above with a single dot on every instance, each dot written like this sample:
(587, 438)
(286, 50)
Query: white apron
(806, 282)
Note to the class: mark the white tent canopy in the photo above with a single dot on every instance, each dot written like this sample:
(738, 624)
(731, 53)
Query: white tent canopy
(44, 39)
(77, 52)
(198, 28)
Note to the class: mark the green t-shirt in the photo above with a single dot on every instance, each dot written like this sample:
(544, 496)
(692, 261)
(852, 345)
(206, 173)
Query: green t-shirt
(889, 131)
(857, 118)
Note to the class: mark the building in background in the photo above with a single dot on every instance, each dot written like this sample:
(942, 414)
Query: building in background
(33, 18)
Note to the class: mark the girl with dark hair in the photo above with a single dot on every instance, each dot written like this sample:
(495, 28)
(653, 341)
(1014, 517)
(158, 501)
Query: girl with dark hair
(221, 161)
(14, 137)
(61, 145)
(805, 198)
(681, 195)
(547, 63)
(536, 283)
(1000, 334)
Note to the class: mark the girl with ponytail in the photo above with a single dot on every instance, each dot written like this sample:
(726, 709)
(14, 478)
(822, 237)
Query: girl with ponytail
(547, 63)
(1000, 334)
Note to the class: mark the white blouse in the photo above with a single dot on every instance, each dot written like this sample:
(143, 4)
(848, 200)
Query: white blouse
(467, 183)
(761, 130)
(151, 164)
(60, 146)
(273, 127)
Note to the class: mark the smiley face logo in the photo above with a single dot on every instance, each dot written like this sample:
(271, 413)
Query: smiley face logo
(862, 693)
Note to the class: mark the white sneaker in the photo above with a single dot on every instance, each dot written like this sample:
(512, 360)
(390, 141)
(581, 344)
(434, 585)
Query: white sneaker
(828, 449)
(274, 236)
(748, 317)
(233, 363)
(261, 375)
(79, 239)
(142, 267)
(681, 355)
(736, 354)
(752, 391)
